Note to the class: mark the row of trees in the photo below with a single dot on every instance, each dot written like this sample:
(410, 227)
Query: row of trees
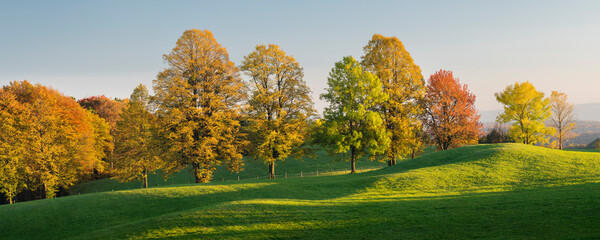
(204, 114)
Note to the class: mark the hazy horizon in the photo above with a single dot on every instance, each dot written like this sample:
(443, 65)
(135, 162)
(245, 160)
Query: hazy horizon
(107, 48)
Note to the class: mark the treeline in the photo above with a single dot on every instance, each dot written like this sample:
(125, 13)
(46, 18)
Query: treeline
(204, 114)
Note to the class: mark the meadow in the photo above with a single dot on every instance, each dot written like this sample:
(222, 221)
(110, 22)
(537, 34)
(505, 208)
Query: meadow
(499, 191)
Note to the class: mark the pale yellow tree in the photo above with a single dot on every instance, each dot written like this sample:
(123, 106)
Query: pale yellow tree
(563, 118)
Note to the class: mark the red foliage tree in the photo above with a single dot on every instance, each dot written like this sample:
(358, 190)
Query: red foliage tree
(105, 107)
(450, 115)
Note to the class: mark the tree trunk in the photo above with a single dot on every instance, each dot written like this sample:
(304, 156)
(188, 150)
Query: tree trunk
(560, 140)
(272, 170)
(394, 161)
(389, 163)
(10, 197)
(412, 153)
(197, 176)
(145, 177)
(353, 160)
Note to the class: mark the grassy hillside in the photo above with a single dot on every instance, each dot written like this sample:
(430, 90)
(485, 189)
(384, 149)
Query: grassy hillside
(307, 166)
(502, 191)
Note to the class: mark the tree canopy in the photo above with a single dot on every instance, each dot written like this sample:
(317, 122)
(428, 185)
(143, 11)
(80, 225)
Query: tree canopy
(197, 98)
(279, 106)
(135, 149)
(48, 140)
(352, 123)
(402, 81)
(526, 109)
(450, 114)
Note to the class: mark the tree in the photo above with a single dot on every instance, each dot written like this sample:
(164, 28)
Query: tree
(59, 137)
(134, 150)
(402, 81)
(109, 110)
(563, 118)
(13, 130)
(106, 108)
(450, 114)
(526, 109)
(197, 100)
(280, 103)
(351, 121)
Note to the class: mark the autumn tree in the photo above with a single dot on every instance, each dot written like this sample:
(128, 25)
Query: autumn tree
(109, 110)
(352, 123)
(13, 147)
(563, 118)
(106, 108)
(59, 137)
(134, 150)
(197, 98)
(280, 103)
(527, 110)
(402, 81)
(450, 118)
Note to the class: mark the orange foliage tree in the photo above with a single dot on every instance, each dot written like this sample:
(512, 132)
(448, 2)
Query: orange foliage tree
(105, 107)
(450, 115)
(57, 139)
(197, 99)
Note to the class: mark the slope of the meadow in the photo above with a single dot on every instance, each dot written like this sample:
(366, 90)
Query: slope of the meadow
(503, 191)
(307, 166)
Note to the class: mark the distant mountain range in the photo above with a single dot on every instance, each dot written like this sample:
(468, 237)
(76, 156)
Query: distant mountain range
(584, 112)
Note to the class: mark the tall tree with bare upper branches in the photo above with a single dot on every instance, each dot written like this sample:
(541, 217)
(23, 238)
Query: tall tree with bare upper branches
(563, 118)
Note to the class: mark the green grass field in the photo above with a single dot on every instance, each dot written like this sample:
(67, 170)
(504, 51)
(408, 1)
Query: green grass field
(307, 166)
(504, 191)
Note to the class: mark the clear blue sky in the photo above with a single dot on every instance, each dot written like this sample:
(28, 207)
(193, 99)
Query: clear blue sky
(108, 47)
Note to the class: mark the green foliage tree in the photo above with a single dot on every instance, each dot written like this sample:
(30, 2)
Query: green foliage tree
(351, 120)
(526, 109)
(402, 81)
(280, 104)
(197, 100)
(135, 149)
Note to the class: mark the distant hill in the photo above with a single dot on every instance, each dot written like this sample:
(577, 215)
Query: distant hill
(584, 112)
(588, 111)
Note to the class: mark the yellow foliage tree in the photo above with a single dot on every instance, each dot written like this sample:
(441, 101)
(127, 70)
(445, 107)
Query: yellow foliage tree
(60, 137)
(135, 150)
(197, 98)
(280, 103)
(402, 81)
(13, 147)
(526, 109)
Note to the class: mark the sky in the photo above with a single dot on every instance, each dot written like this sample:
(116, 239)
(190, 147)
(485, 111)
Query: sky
(88, 48)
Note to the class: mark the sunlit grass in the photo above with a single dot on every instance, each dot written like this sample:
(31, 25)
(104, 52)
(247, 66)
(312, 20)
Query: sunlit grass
(503, 191)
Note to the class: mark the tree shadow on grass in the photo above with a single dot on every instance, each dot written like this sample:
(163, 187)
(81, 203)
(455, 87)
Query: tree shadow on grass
(74, 215)
(545, 212)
